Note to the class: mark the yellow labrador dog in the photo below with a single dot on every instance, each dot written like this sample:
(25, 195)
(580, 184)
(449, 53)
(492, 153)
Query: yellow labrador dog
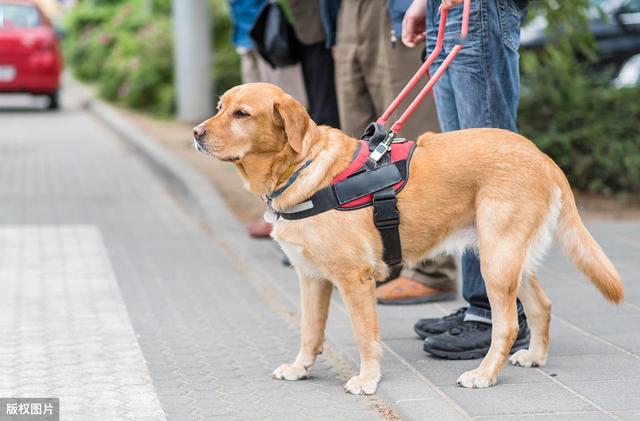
(487, 189)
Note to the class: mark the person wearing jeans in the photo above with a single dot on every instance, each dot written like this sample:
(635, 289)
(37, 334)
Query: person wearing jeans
(480, 88)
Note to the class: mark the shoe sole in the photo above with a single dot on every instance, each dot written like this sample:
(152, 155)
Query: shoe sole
(443, 296)
(474, 354)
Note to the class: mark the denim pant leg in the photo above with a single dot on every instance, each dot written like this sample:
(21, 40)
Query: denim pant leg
(479, 89)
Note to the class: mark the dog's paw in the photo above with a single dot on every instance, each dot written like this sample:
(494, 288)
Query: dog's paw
(476, 379)
(526, 358)
(290, 372)
(362, 385)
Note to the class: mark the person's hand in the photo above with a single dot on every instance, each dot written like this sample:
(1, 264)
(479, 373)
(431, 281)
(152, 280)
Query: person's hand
(448, 4)
(414, 24)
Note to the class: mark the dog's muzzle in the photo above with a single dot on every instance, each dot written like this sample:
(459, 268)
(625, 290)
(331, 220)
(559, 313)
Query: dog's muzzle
(198, 138)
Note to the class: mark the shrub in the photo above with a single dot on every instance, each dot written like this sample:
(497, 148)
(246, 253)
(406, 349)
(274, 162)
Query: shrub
(87, 45)
(589, 127)
(127, 51)
(139, 71)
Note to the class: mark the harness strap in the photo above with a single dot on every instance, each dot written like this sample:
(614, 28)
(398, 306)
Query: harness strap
(387, 220)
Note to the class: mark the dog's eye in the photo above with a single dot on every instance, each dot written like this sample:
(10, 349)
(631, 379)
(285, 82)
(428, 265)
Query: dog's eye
(240, 113)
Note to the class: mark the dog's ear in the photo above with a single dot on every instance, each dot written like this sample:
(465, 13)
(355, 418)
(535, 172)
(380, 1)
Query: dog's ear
(290, 115)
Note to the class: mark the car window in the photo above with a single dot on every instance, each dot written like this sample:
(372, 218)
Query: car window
(19, 15)
(632, 6)
(604, 6)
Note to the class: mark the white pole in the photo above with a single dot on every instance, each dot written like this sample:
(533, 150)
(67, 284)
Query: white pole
(192, 59)
(147, 6)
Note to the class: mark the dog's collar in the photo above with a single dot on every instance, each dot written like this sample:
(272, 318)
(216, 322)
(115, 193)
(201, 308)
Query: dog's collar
(288, 177)
(271, 215)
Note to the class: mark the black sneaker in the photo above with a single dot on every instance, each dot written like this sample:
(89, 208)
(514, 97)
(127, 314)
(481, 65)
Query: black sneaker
(470, 340)
(430, 327)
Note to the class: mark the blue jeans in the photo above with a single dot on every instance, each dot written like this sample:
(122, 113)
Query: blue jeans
(480, 88)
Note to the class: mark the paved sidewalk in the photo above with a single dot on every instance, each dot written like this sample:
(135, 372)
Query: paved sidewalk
(213, 312)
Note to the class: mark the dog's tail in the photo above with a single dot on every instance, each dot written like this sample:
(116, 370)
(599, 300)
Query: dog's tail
(578, 243)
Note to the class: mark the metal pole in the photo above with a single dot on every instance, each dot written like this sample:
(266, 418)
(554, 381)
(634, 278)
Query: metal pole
(192, 59)
(147, 6)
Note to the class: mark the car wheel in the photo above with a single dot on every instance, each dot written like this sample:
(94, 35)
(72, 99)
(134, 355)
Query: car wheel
(54, 102)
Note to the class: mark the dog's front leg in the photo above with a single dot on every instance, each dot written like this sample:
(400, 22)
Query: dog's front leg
(315, 295)
(358, 294)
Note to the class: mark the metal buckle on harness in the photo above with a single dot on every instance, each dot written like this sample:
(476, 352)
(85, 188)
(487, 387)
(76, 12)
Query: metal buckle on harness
(382, 148)
(377, 153)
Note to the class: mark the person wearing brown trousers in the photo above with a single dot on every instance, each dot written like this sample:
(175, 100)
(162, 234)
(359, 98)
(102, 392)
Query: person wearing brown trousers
(372, 67)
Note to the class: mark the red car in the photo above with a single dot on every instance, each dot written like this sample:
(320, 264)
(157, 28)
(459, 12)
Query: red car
(30, 58)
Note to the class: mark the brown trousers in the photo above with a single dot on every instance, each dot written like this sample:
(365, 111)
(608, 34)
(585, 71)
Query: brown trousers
(255, 69)
(370, 72)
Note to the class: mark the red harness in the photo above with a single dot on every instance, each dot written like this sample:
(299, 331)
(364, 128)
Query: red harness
(361, 185)
(399, 152)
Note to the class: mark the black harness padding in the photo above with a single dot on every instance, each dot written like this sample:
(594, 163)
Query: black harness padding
(377, 180)
(361, 183)
(367, 182)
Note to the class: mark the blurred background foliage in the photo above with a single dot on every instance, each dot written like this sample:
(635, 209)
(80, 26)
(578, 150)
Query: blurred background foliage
(573, 113)
(125, 48)
(589, 127)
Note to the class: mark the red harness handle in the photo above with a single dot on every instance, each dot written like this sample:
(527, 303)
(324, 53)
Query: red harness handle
(424, 69)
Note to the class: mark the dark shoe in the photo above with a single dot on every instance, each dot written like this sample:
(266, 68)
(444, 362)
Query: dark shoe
(470, 340)
(430, 327)
(407, 291)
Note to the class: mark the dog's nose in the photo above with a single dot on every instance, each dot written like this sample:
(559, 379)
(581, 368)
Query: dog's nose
(198, 133)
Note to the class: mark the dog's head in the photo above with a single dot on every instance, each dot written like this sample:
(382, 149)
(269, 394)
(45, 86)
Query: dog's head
(253, 119)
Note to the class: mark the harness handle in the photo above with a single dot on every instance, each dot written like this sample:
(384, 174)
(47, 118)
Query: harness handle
(424, 69)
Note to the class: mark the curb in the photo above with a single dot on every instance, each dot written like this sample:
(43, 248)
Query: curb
(260, 260)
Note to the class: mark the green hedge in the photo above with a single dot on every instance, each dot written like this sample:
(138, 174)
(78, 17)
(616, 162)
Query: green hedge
(590, 128)
(139, 71)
